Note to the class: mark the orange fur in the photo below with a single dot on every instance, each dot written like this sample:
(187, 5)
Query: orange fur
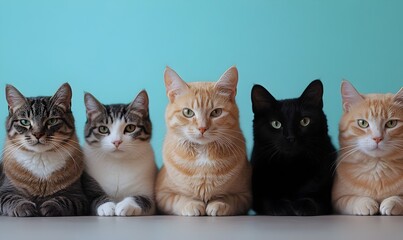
(200, 178)
(370, 182)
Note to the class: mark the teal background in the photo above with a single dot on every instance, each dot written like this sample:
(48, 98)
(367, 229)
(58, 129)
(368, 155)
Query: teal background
(113, 49)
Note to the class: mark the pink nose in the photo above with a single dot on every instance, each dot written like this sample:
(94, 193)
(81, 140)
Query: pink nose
(377, 139)
(117, 143)
(203, 130)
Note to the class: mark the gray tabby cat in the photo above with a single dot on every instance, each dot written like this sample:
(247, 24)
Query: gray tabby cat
(119, 156)
(42, 160)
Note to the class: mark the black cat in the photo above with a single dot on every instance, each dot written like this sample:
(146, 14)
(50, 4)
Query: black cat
(293, 157)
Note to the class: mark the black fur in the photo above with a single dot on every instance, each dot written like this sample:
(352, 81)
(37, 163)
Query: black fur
(292, 165)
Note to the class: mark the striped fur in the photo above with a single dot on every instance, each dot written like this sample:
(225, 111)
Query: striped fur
(205, 170)
(369, 174)
(42, 158)
(121, 160)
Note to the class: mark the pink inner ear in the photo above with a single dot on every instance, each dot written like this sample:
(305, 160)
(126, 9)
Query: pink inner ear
(350, 95)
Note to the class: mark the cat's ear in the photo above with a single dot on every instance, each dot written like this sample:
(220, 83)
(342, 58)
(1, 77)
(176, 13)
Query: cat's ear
(140, 103)
(174, 84)
(261, 99)
(350, 95)
(15, 99)
(227, 83)
(399, 97)
(62, 97)
(93, 107)
(313, 94)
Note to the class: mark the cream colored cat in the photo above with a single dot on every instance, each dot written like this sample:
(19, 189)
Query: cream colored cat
(369, 174)
(206, 171)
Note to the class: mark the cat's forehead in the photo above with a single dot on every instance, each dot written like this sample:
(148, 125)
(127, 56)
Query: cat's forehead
(38, 106)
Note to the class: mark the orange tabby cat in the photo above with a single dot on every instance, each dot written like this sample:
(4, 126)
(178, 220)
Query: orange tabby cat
(369, 175)
(205, 171)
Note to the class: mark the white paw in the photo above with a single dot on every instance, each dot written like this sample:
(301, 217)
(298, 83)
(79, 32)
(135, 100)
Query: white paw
(365, 206)
(392, 206)
(194, 208)
(128, 207)
(106, 209)
(218, 208)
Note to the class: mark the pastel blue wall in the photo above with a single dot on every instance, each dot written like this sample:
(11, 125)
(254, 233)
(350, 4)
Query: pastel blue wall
(115, 48)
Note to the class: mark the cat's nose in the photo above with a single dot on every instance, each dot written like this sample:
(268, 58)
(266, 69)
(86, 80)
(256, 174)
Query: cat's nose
(377, 139)
(203, 129)
(38, 135)
(291, 139)
(117, 143)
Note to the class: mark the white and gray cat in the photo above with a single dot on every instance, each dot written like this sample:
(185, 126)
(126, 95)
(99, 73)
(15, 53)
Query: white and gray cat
(119, 157)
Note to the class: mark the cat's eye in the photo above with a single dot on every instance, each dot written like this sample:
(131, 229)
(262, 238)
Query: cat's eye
(130, 128)
(305, 121)
(216, 112)
(188, 112)
(391, 124)
(276, 124)
(52, 121)
(362, 123)
(25, 122)
(103, 129)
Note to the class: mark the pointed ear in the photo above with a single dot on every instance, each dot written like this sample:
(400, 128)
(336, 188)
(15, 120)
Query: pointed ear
(227, 83)
(349, 95)
(62, 97)
(261, 99)
(174, 84)
(93, 107)
(140, 103)
(15, 99)
(399, 97)
(313, 94)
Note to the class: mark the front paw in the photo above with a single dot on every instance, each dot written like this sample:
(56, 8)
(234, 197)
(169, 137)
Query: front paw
(51, 208)
(128, 207)
(392, 206)
(106, 209)
(194, 208)
(305, 207)
(365, 206)
(23, 209)
(218, 208)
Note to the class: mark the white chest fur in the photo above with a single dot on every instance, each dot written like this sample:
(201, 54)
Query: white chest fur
(123, 176)
(43, 164)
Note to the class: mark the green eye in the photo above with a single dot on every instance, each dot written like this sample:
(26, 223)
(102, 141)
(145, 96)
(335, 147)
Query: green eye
(52, 121)
(362, 123)
(188, 113)
(103, 129)
(305, 121)
(391, 124)
(216, 112)
(25, 122)
(130, 128)
(276, 124)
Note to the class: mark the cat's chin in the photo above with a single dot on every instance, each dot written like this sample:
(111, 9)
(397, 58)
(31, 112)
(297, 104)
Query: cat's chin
(39, 148)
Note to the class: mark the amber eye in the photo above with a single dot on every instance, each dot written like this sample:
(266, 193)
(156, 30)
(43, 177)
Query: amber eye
(103, 129)
(25, 122)
(216, 112)
(362, 123)
(188, 112)
(52, 121)
(276, 124)
(305, 121)
(130, 128)
(391, 124)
